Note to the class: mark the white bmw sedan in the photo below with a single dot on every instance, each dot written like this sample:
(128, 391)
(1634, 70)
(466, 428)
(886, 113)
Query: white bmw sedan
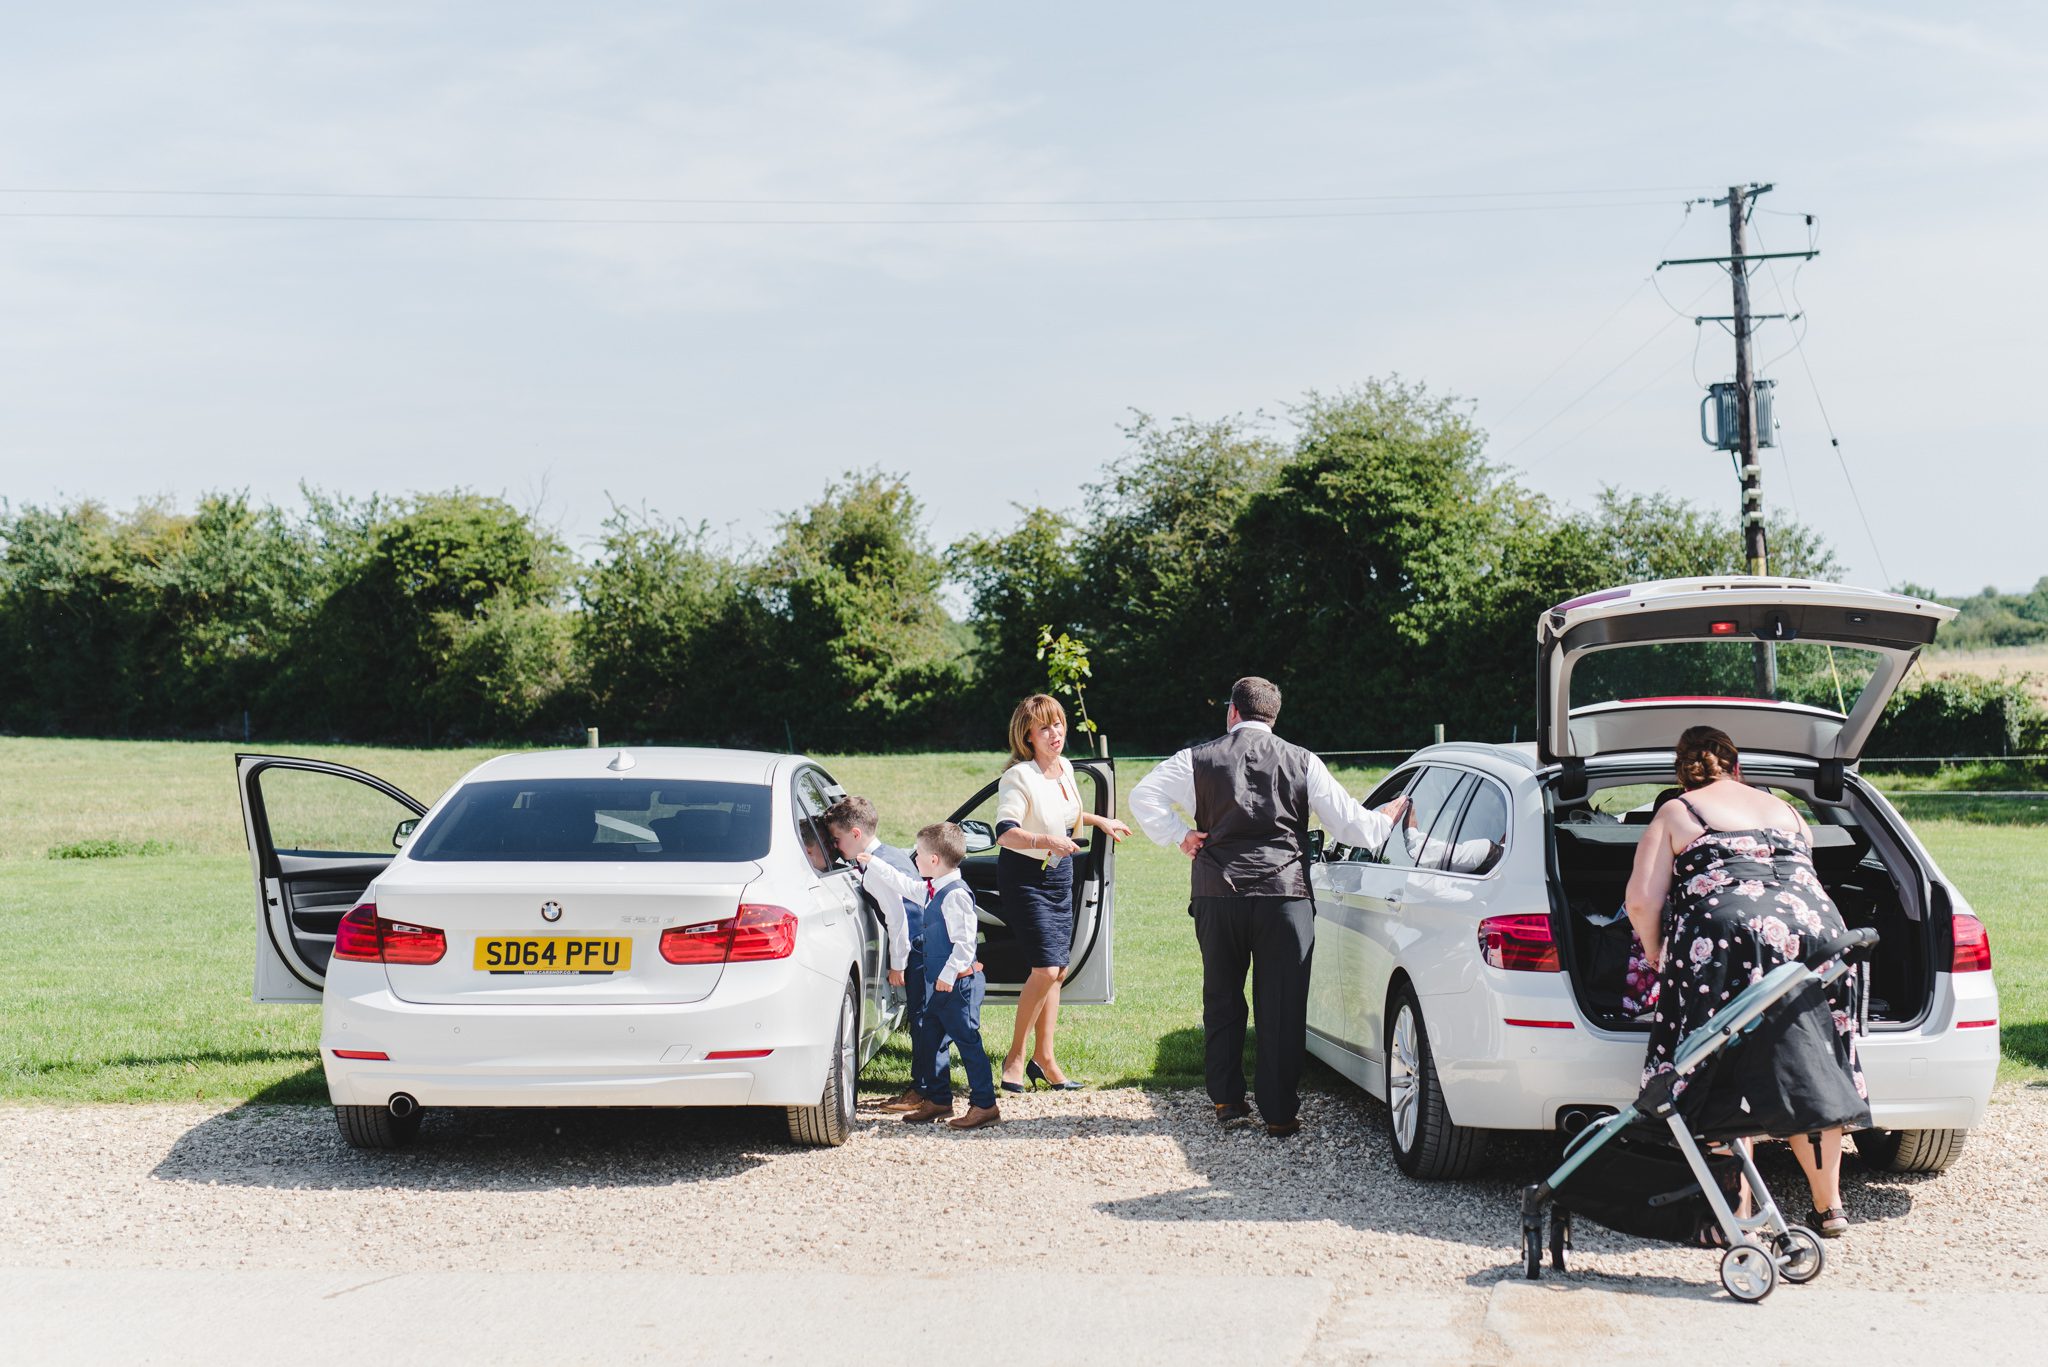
(1478, 979)
(641, 927)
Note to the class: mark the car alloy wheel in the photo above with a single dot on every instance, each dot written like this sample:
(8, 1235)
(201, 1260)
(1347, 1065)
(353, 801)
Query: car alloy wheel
(849, 1060)
(1404, 1065)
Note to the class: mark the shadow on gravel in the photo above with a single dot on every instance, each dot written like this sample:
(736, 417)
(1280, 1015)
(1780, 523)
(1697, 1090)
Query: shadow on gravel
(300, 1147)
(1247, 1176)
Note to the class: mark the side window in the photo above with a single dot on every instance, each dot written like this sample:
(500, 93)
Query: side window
(812, 798)
(1431, 793)
(1390, 788)
(1483, 834)
(314, 813)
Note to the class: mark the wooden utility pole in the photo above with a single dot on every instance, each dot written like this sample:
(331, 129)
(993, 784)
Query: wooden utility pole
(1755, 546)
(1755, 551)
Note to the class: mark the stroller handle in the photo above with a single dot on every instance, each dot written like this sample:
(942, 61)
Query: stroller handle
(1847, 945)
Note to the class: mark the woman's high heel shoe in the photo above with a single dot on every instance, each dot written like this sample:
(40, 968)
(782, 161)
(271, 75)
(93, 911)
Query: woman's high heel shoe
(1037, 1075)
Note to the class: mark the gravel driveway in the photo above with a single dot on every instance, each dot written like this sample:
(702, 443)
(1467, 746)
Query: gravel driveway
(1124, 1182)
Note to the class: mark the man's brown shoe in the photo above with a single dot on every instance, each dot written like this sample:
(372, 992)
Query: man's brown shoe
(1280, 1129)
(928, 1111)
(978, 1116)
(1227, 1111)
(908, 1100)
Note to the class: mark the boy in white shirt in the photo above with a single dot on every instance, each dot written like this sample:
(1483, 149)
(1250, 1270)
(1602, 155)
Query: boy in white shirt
(954, 978)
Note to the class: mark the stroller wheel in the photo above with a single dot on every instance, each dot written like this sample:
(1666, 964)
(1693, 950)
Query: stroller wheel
(1748, 1272)
(1560, 1237)
(1532, 1250)
(1800, 1255)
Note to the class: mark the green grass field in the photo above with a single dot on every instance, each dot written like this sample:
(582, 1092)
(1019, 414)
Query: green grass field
(126, 977)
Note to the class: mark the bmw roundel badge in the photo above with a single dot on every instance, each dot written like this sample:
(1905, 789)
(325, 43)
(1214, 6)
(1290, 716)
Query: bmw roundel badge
(550, 911)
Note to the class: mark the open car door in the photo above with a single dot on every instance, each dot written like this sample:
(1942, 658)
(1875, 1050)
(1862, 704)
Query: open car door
(1090, 979)
(318, 834)
(1788, 666)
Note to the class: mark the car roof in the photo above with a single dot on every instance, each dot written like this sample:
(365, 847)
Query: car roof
(650, 761)
(1521, 756)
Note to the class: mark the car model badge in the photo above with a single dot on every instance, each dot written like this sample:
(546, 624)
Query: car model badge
(550, 911)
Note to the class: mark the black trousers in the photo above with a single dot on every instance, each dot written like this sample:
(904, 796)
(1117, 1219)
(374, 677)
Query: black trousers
(1274, 937)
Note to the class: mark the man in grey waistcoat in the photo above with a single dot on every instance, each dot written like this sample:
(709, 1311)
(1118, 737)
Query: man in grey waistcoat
(1251, 796)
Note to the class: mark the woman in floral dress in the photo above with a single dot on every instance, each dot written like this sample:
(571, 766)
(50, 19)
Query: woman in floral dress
(1734, 865)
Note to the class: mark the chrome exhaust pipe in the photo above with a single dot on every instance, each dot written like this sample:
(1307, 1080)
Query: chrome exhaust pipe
(1573, 1119)
(402, 1105)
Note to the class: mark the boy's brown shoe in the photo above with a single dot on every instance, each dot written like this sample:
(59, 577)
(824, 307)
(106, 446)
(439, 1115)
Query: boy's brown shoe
(978, 1116)
(909, 1100)
(928, 1111)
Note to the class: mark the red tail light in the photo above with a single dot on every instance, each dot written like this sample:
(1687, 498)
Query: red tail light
(1521, 942)
(366, 937)
(755, 932)
(1973, 945)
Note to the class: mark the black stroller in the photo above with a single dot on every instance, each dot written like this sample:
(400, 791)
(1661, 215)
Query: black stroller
(1642, 1171)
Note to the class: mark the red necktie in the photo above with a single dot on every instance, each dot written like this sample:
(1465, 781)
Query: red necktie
(929, 891)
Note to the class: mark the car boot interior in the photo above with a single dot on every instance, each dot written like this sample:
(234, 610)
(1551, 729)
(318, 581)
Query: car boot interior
(1854, 854)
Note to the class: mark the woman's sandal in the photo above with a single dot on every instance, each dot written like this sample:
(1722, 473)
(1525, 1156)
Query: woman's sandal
(1831, 1223)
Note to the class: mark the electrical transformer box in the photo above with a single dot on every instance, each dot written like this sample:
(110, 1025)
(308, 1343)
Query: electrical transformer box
(1720, 425)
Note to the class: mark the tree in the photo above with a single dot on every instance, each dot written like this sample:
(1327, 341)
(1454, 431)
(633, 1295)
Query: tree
(1365, 545)
(407, 579)
(850, 646)
(1162, 594)
(659, 629)
(1016, 582)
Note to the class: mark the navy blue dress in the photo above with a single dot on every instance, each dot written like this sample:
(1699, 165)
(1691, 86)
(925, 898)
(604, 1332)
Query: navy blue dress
(1038, 903)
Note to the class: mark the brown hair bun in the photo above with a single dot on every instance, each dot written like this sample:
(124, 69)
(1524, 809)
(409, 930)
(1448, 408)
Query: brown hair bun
(1704, 754)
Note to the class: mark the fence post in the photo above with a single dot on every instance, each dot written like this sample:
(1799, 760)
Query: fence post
(590, 737)
(1439, 733)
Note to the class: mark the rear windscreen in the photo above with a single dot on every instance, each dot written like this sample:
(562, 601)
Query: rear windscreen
(1814, 673)
(573, 820)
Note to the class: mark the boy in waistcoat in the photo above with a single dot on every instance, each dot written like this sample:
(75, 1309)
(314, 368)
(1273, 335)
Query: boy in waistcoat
(952, 976)
(851, 822)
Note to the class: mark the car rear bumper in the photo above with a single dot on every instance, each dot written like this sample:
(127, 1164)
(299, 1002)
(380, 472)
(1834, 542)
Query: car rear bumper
(608, 1055)
(1498, 1076)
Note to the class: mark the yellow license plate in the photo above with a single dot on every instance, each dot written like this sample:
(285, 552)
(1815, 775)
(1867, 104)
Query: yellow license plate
(554, 954)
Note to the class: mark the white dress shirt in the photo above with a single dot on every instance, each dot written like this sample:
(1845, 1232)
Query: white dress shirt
(951, 896)
(1173, 784)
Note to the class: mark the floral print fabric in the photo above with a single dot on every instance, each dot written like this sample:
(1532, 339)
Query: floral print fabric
(1742, 902)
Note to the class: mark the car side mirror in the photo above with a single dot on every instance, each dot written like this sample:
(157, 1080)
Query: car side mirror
(1317, 839)
(980, 836)
(403, 832)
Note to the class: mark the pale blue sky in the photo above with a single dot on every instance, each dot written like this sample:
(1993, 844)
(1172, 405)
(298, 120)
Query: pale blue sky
(726, 372)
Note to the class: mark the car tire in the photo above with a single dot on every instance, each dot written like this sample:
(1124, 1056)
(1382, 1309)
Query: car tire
(374, 1127)
(829, 1123)
(1910, 1150)
(1426, 1143)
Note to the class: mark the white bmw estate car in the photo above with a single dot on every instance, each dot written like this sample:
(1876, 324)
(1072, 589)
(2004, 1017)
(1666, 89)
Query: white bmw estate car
(1477, 981)
(639, 927)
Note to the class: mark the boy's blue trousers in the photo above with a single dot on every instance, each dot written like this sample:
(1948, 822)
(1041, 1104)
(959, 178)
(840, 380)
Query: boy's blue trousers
(956, 1014)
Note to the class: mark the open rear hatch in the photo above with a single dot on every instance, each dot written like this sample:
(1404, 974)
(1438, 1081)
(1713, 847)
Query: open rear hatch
(1786, 666)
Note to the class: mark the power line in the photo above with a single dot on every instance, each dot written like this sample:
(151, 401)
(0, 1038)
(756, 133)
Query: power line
(812, 222)
(1640, 348)
(1646, 387)
(836, 203)
(1572, 355)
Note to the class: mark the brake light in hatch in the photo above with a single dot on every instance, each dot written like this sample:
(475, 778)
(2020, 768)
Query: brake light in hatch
(365, 937)
(754, 932)
(1722, 628)
(1973, 945)
(1521, 942)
